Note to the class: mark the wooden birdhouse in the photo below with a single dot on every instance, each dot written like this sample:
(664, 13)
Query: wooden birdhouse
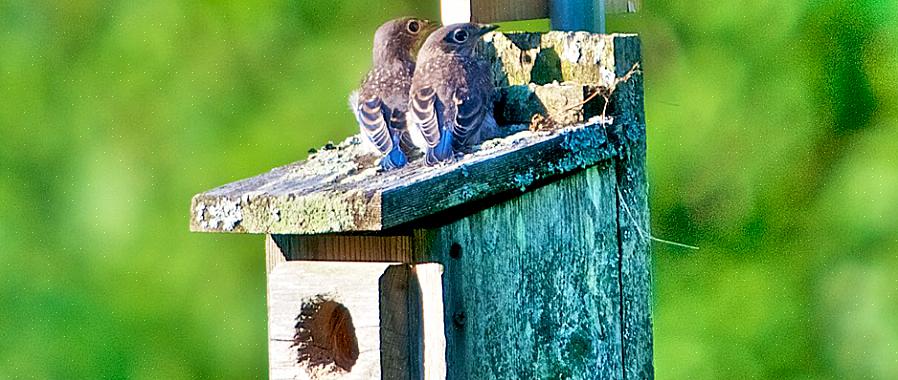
(525, 258)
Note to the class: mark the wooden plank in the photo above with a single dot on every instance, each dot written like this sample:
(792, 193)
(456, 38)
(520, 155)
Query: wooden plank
(417, 191)
(339, 189)
(366, 248)
(273, 258)
(399, 330)
(355, 286)
(508, 10)
(633, 219)
(274, 255)
(529, 297)
(488, 11)
(428, 276)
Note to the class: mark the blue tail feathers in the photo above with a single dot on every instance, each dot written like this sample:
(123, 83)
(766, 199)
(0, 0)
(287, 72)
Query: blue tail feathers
(395, 158)
(443, 151)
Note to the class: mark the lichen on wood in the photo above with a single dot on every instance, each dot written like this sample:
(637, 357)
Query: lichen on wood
(340, 188)
(541, 58)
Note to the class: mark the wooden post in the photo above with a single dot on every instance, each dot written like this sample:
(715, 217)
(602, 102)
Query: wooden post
(524, 259)
(633, 216)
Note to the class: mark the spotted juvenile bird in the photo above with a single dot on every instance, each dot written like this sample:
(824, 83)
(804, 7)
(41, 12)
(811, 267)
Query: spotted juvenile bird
(381, 103)
(451, 99)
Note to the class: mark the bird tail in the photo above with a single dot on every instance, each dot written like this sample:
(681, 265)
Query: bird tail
(395, 158)
(442, 151)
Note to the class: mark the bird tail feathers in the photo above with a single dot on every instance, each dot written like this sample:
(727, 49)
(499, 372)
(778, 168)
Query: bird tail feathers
(395, 158)
(442, 151)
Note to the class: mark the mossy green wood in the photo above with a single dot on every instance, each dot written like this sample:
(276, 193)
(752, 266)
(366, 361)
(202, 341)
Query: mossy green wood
(629, 138)
(531, 286)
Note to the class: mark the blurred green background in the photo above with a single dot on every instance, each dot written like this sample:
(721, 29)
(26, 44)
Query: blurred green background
(773, 145)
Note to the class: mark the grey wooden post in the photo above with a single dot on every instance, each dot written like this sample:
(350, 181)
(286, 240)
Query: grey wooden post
(524, 259)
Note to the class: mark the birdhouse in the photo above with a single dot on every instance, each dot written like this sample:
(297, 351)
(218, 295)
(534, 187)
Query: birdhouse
(526, 257)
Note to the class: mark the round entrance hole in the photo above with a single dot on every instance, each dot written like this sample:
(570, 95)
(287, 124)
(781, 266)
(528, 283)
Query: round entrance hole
(325, 337)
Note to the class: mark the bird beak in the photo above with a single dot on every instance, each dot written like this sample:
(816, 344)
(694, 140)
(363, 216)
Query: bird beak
(486, 28)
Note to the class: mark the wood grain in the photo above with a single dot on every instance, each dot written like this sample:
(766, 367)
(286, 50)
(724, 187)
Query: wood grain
(365, 248)
(534, 297)
(399, 324)
(633, 219)
(353, 285)
(487, 11)
(429, 279)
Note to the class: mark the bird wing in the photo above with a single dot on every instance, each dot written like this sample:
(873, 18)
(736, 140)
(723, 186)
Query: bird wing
(372, 117)
(426, 115)
(470, 111)
(462, 118)
(400, 131)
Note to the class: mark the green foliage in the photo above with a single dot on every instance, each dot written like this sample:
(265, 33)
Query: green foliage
(772, 138)
(772, 146)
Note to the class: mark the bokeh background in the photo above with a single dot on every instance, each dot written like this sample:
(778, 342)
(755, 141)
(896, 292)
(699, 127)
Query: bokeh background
(773, 146)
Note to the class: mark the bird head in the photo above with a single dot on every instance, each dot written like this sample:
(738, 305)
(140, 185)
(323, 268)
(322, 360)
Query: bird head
(401, 38)
(457, 39)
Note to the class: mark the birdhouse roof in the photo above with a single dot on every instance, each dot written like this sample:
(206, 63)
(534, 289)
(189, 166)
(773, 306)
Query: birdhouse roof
(340, 188)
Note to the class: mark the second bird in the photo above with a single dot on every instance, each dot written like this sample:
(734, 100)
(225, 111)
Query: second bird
(451, 99)
(381, 103)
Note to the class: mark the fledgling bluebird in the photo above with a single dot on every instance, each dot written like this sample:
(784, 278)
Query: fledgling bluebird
(381, 103)
(451, 99)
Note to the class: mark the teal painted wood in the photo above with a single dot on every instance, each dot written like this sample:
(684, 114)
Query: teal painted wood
(629, 135)
(532, 288)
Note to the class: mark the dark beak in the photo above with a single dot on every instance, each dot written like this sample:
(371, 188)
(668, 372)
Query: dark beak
(486, 28)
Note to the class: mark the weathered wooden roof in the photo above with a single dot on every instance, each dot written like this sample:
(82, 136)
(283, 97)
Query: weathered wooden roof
(340, 189)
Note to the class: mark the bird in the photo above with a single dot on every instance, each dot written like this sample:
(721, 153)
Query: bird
(451, 97)
(381, 102)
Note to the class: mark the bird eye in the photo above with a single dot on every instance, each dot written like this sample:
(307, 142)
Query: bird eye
(460, 36)
(414, 26)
